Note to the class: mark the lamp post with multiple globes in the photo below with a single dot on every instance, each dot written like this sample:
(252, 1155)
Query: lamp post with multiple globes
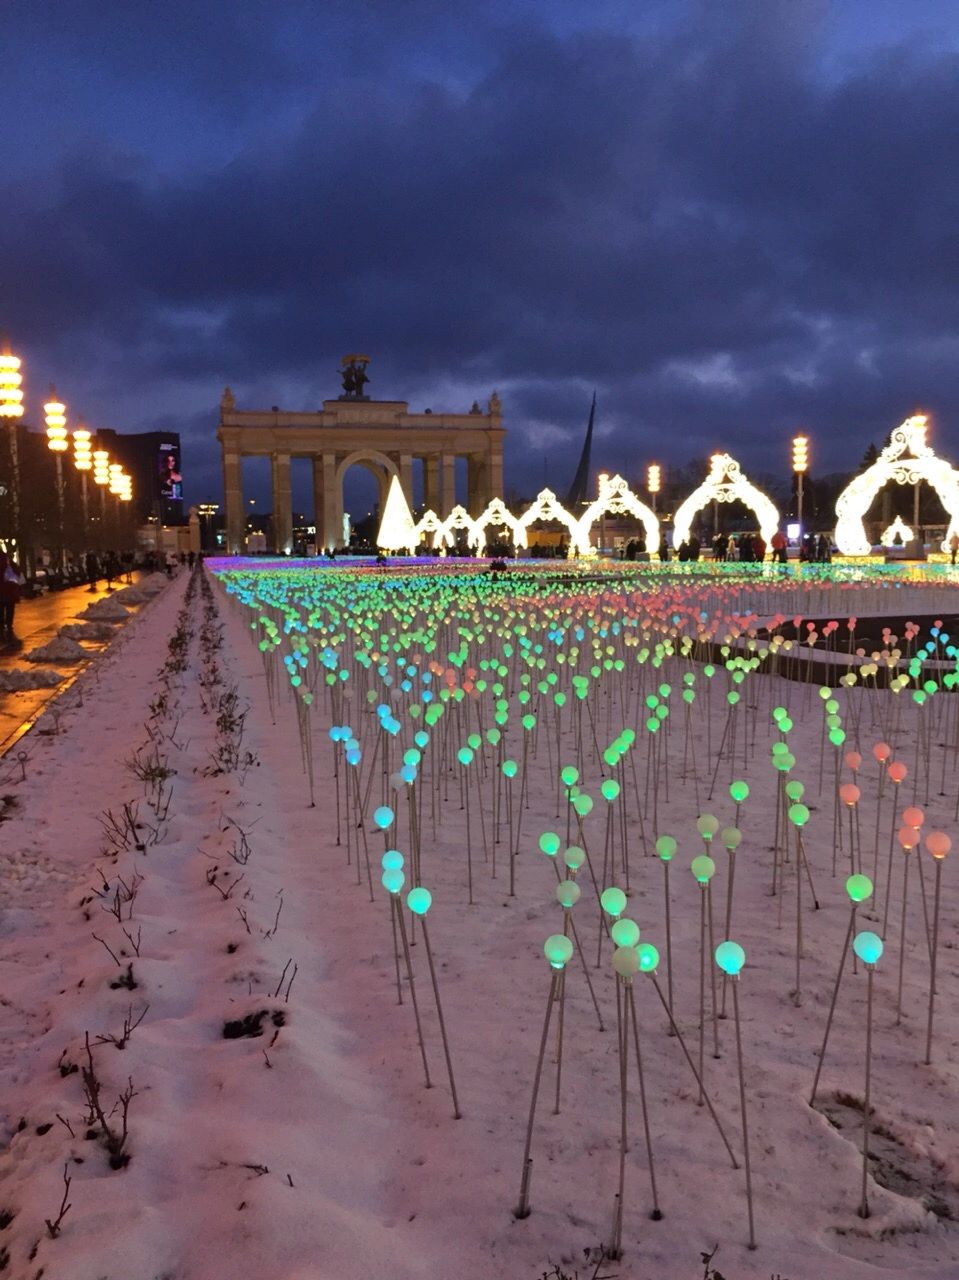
(55, 414)
(654, 481)
(800, 467)
(11, 410)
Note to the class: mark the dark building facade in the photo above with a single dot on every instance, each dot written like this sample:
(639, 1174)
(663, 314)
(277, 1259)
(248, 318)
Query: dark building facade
(153, 460)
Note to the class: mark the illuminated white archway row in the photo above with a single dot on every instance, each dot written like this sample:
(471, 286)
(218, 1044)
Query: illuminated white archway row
(726, 483)
(616, 497)
(906, 459)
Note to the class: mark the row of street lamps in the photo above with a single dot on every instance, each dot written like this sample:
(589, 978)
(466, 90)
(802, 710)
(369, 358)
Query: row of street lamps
(108, 475)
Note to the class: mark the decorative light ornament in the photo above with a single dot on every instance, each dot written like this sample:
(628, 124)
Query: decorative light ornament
(653, 478)
(55, 414)
(898, 529)
(11, 393)
(397, 527)
(800, 454)
(726, 483)
(616, 498)
(82, 452)
(906, 459)
(101, 466)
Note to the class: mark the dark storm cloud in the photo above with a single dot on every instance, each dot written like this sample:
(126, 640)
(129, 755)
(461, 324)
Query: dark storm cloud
(701, 218)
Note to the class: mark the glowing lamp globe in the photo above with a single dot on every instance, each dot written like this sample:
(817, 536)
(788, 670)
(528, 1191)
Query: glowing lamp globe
(567, 894)
(648, 957)
(703, 868)
(549, 843)
(583, 804)
(465, 755)
(707, 825)
(913, 816)
(569, 775)
(867, 946)
(625, 961)
(739, 791)
(610, 789)
(795, 789)
(419, 900)
(625, 933)
(881, 752)
(393, 881)
(938, 844)
(392, 860)
(510, 768)
(859, 888)
(730, 957)
(557, 949)
(798, 815)
(383, 816)
(613, 901)
(853, 759)
(837, 737)
(731, 838)
(908, 838)
(849, 794)
(574, 857)
(666, 848)
(897, 771)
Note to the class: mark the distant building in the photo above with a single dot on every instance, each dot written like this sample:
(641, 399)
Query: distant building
(153, 460)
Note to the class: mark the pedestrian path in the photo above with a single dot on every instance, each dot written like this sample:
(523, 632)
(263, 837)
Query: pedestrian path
(35, 623)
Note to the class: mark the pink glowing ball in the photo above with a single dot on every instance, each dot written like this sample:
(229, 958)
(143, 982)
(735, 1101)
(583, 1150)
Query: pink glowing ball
(938, 844)
(897, 771)
(908, 837)
(849, 793)
(853, 759)
(913, 817)
(882, 751)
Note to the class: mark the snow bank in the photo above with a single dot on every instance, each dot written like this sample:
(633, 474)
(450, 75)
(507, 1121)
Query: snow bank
(17, 680)
(60, 649)
(134, 595)
(106, 610)
(96, 631)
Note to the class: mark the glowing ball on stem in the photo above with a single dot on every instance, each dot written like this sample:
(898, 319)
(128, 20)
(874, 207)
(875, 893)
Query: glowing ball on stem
(613, 901)
(625, 933)
(730, 957)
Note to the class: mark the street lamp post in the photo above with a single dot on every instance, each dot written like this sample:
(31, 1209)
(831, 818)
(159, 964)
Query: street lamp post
(654, 481)
(55, 414)
(83, 461)
(11, 408)
(800, 466)
(101, 478)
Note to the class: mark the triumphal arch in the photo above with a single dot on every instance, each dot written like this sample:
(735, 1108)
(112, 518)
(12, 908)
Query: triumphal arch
(381, 435)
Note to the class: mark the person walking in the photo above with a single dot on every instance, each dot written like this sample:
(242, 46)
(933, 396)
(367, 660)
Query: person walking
(11, 580)
(953, 547)
(663, 549)
(778, 544)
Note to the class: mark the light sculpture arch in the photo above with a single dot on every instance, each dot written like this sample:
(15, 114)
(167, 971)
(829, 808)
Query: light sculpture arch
(726, 483)
(548, 507)
(907, 459)
(498, 515)
(616, 497)
(430, 523)
(898, 529)
(458, 518)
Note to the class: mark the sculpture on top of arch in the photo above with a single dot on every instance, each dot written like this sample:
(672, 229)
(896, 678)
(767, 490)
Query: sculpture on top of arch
(725, 483)
(906, 459)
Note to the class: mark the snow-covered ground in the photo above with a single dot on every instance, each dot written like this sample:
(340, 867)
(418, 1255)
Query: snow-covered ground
(312, 1149)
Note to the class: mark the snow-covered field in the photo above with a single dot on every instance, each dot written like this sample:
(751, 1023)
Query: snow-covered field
(278, 1126)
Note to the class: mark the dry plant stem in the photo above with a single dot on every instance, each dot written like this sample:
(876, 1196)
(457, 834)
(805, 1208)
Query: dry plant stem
(522, 1208)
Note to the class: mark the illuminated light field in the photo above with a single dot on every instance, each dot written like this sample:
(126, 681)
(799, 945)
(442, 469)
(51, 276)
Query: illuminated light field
(630, 804)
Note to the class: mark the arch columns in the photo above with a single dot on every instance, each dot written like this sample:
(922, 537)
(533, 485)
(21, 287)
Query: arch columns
(327, 502)
(233, 502)
(447, 484)
(282, 504)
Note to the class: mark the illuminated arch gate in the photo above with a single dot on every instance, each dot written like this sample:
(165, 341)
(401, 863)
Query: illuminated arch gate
(380, 434)
(906, 459)
(616, 497)
(726, 483)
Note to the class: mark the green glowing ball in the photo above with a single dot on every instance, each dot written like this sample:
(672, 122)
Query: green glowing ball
(648, 957)
(567, 893)
(666, 847)
(867, 946)
(613, 901)
(510, 768)
(625, 933)
(529, 722)
(464, 755)
(798, 815)
(383, 816)
(739, 791)
(785, 725)
(837, 737)
(689, 695)
(392, 860)
(779, 713)
(610, 789)
(731, 838)
(583, 804)
(703, 868)
(611, 756)
(419, 901)
(795, 789)
(780, 749)
(707, 824)
(475, 741)
(549, 843)
(558, 949)
(574, 857)
(730, 957)
(569, 775)
(859, 888)
(393, 881)
(625, 961)
(832, 706)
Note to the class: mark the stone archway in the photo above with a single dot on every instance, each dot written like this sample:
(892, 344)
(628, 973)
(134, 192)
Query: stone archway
(726, 483)
(382, 469)
(616, 497)
(906, 459)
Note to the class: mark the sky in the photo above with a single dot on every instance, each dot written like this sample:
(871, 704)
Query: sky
(732, 221)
